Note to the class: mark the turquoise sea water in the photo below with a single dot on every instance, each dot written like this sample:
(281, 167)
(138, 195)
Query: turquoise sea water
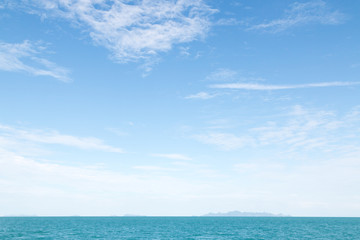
(178, 228)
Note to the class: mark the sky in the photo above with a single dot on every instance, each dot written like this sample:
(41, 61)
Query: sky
(179, 107)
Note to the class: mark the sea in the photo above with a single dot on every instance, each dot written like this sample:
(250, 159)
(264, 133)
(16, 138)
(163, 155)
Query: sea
(179, 228)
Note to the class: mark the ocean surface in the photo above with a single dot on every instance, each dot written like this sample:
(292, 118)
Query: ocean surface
(178, 228)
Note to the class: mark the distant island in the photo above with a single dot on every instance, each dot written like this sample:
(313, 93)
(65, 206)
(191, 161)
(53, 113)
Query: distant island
(133, 215)
(243, 214)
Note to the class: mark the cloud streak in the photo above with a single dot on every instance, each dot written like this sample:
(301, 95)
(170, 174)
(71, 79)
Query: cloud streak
(300, 129)
(300, 14)
(53, 187)
(136, 30)
(53, 137)
(225, 141)
(175, 156)
(264, 87)
(201, 95)
(26, 57)
(222, 74)
(154, 168)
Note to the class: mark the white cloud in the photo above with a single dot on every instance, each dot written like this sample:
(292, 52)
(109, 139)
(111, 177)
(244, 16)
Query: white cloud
(27, 57)
(248, 168)
(228, 22)
(175, 156)
(262, 87)
(298, 130)
(184, 51)
(225, 141)
(34, 186)
(117, 131)
(53, 137)
(154, 168)
(222, 74)
(134, 30)
(201, 95)
(303, 13)
(301, 130)
(7, 4)
(57, 189)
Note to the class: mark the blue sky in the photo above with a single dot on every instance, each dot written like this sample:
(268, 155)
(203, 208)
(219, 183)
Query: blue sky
(179, 107)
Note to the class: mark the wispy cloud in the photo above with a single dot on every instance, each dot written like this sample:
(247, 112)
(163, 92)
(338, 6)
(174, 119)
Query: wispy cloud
(228, 22)
(246, 168)
(7, 4)
(300, 128)
(225, 141)
(303, 13)
(201, 95)
(175, 156)
(76, 188)
(117, 131)
(262, 87)
(154, 168)
(27, 57)
(53, 137)
(303, 129)
(134, 30)
(222, 74)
